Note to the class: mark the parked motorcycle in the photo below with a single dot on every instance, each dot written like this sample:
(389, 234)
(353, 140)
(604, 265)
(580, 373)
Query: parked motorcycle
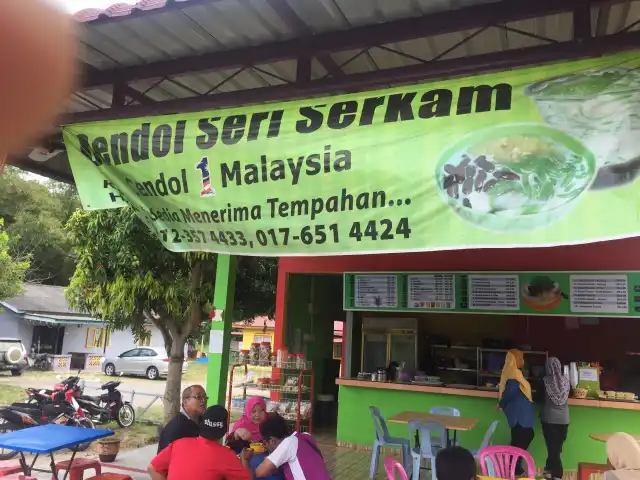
(39, 361)
(19, 416)
(108, 406)
(41, 396)
(101, 409)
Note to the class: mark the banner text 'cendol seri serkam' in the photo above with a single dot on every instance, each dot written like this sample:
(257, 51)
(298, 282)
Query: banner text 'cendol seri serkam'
(538, 156)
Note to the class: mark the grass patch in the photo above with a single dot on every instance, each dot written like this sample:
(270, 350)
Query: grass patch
(196, 373)
(11, 393)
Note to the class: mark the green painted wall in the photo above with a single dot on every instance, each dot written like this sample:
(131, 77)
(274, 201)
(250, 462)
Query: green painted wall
(356, 427)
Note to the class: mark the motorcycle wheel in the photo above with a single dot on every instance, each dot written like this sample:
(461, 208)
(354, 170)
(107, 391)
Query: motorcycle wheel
(126, 415)
(6, 427)
(83, 422)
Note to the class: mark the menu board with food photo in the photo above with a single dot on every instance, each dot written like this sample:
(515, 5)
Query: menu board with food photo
(566, 294)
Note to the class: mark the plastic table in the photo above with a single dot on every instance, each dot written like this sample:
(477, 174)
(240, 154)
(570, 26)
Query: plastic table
(451, 423)
(47, 439)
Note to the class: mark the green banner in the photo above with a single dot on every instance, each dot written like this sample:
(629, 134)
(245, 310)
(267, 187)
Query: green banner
(582, 294)
(530, 157)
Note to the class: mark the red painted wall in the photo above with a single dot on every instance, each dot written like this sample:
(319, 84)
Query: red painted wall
(613, 255)
(600, 342)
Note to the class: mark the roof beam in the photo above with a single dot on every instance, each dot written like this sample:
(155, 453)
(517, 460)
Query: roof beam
(295, 23)
(575, 49)
(472, 17)
(119, 88)
(582, 21)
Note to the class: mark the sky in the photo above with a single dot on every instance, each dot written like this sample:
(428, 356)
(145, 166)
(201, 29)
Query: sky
(72, 6)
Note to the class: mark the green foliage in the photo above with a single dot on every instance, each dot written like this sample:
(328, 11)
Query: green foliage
(35, 214)
(127, 278)
(11, 271)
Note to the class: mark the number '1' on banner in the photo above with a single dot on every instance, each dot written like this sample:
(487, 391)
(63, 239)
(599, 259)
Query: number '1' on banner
(203, 167)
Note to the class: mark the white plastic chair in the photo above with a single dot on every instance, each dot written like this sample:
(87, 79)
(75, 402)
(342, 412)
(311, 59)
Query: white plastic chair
(384, 439)
(427, 450)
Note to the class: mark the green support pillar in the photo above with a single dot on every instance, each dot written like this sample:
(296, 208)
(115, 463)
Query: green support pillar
(220, 339)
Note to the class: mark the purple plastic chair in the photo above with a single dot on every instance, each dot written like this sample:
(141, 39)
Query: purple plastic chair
(391, 465)
(501, 461)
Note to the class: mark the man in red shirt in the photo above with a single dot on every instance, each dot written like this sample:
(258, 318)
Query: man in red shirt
(202, 457)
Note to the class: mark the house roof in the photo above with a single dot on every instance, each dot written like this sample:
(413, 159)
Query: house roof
(168, 56)
(46, 304)
(41, 298)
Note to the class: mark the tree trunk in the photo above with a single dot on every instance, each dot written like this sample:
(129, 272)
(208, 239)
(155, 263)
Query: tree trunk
(173, 389)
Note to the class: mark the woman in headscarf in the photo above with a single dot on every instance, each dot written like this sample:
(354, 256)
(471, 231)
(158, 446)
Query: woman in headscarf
(516, 402)
(555, 416)
(624, 456)
(248, 427)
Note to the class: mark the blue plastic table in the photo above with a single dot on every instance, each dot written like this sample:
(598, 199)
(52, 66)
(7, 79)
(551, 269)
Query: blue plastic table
(47, 439)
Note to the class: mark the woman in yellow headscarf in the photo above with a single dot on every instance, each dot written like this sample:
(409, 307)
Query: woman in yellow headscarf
(516, 402)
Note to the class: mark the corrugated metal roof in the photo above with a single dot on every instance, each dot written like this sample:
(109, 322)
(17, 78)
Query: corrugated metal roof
(125, 35)
(44, 299)
(156, 30)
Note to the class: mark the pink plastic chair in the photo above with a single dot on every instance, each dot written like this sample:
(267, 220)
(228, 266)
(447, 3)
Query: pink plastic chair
(390, 466)
(500, 461)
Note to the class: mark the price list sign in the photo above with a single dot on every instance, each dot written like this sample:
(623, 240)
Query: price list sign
(494, 292)
(376, 291)
(599, 294)
(435, 291)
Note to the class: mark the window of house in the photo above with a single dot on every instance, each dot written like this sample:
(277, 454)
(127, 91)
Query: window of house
(145, 339)
(261, 338)
(337, 351)
(97, 337)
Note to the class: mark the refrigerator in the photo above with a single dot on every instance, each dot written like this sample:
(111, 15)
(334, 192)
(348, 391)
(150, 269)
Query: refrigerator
(379, 348)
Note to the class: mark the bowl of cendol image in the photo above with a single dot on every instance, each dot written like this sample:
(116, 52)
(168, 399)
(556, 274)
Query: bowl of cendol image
(514, 177)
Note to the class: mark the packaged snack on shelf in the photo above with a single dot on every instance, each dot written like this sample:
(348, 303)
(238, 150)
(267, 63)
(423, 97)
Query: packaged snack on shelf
(305, 410)
(243, 357)
(254, 354)
(300, 361)
(264, 382)
(292, 381)
(264, 354)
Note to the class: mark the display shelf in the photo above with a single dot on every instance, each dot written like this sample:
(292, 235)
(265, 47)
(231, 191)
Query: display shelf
(480, 355)
(290, 390)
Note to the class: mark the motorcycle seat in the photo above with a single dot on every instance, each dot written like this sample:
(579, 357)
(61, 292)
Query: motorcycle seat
(25, 407)
(91, 399)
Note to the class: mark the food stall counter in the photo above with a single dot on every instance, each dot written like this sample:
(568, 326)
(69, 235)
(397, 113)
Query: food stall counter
(356, 430)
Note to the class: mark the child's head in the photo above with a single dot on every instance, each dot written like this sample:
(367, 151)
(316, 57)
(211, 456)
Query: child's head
(455, 463)
(273, 430)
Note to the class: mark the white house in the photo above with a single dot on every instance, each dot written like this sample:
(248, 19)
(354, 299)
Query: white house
(43, 320)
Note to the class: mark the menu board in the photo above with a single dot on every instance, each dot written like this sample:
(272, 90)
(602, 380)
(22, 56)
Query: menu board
(431, 291)
(376, 291)
(599, 293)
(494, 292)
(566, 294)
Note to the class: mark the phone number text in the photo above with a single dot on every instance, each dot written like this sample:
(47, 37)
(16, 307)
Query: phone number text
(376, 230)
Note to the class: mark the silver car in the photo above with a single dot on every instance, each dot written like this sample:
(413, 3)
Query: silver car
(152, 362)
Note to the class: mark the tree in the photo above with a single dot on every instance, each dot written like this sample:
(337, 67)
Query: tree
(127, 278)
(35, 214)
(11, 271)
